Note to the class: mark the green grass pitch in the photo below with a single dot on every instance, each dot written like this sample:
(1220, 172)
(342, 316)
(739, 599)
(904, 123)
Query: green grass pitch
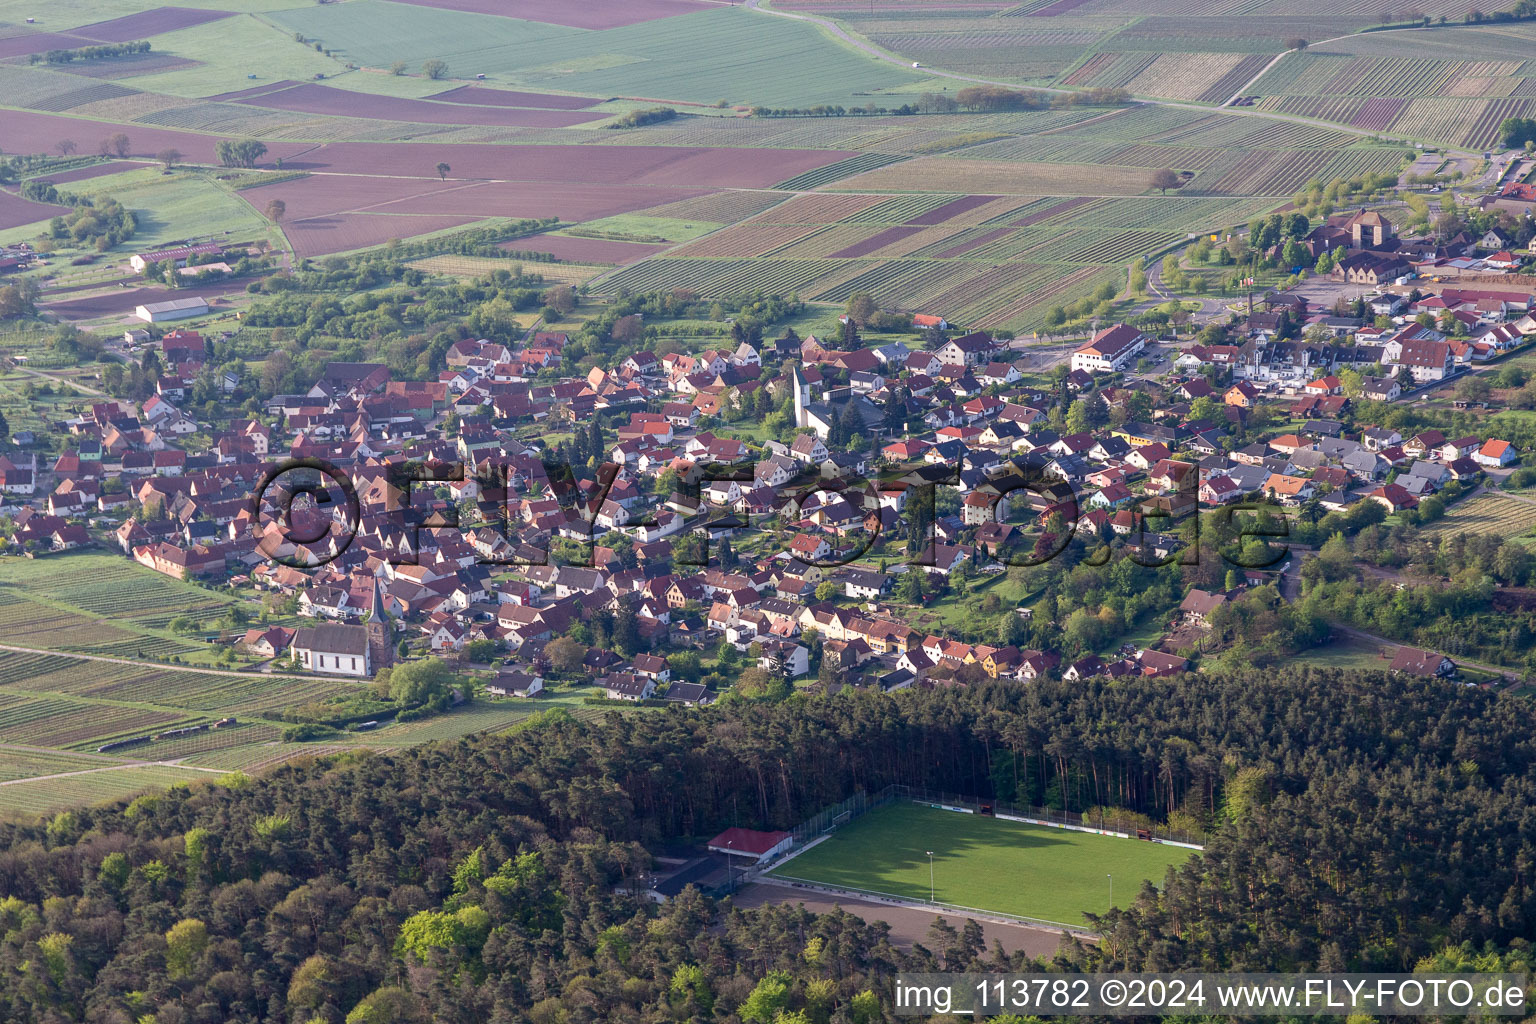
(980, 862)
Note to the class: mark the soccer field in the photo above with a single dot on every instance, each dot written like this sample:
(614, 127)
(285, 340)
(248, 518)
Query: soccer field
(980, 862)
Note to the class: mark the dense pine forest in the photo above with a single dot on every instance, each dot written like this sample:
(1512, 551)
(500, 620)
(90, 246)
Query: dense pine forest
(1355, 821)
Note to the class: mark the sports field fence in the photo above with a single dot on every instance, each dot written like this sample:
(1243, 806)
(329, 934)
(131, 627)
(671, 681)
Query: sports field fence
(829, 819)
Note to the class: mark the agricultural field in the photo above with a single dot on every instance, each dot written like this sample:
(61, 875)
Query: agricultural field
(990, 261)
(1488, 513)
(1458, 101)
(695, 57)
(29, 798)
(94, 603)
(983, 863)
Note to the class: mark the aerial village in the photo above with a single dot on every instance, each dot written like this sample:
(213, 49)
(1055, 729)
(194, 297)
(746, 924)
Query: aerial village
(915, 472)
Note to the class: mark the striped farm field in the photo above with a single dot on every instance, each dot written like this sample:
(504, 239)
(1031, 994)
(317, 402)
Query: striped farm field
(1144, 122)
(822, 243)
(1282, 172)
(1343, 109)
(818, 208)
(34, 798)
(29, 623)
(1228, 134)
(719, 207)
(750, 239)
(25, 764)
(902, 282)
(901, 209)
(105, 585)
(150, 684)
(1002, 177)
(1121, 246)
(722, 276)
(836, 171)
(1487, 513)
(1407, 76)
(1021, 304)
(61, 722)
(1466, 122)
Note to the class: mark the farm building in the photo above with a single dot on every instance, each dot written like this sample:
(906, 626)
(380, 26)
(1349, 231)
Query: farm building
(173, 309)
(143, 260)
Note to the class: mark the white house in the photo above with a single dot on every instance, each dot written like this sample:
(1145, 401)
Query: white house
(511, 682)
(1495, 453)
(1109, 350)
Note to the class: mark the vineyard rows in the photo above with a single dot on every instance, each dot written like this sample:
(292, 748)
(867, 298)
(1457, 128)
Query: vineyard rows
(836, 171)
(59, 722)
(148, 684)
(1282, 173)
(40, 89)
(1296, 72)
(23, 764)
(28, 623)
(719, 208)
(899, 283)
(1465, 122)
(35, 798)
(108, 585)
(1144, 122)
(1227, 133)
(1111, 69)
(1327, 108)
(900, 209)
(723, 277)
(752, 239)
(1141, 154)
(1122, 246)
(1026, 311)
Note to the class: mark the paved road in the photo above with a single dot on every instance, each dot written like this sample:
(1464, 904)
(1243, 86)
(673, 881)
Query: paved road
(1158, 293)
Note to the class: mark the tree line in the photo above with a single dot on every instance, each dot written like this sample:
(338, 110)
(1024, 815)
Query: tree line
(1358, 821)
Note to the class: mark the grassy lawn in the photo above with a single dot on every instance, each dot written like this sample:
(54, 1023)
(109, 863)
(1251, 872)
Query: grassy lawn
(1143, 633)
(951, 612)
(169, 208)
(648, 228)
(983, 863)
(1345, 652)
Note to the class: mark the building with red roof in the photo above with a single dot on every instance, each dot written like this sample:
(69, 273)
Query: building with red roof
(747, 842)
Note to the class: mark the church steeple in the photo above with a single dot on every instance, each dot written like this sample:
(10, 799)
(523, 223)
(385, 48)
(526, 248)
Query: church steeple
(376, 608)
(802, 397)
(381, 639)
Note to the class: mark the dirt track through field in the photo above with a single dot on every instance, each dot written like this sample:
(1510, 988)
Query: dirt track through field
(909, 924)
